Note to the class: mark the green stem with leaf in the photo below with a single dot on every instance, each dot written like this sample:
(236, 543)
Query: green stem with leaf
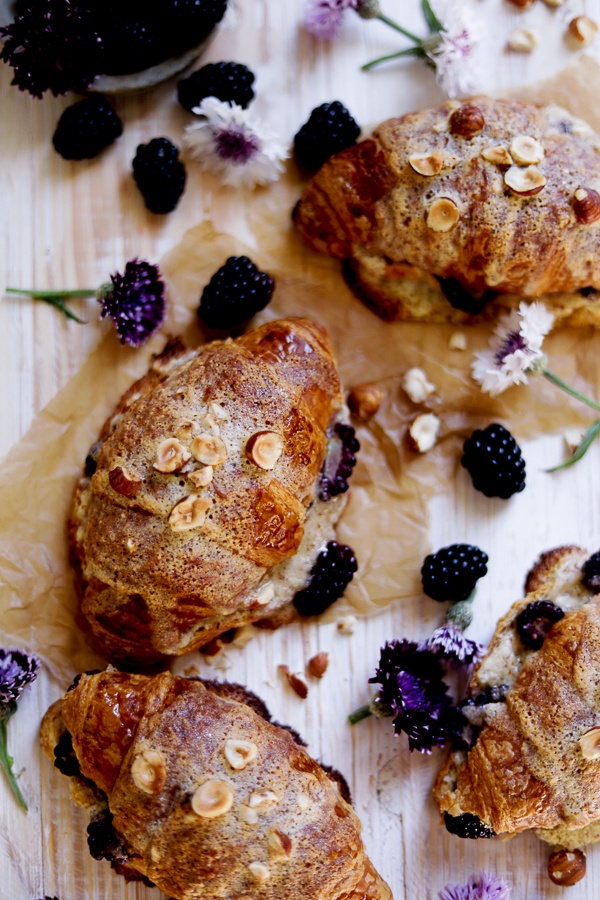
(592, 431)
(57, 299)
(6, 711)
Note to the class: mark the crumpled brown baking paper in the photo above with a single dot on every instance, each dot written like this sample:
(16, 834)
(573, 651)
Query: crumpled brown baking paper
(386, 520)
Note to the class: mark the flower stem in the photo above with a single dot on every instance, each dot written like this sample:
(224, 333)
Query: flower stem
(6, 761)
(554, 379)
(412, 37)
(56, 299)
(359, 714)
(409, 51)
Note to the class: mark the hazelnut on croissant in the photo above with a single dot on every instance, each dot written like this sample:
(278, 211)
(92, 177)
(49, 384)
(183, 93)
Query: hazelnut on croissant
(461, 211)
(192, 789)
(208, 497)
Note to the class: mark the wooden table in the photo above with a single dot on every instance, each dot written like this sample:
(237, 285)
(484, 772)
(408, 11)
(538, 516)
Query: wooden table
(70, 224)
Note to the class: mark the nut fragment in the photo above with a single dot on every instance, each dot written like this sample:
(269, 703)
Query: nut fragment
(423, 432)
(264, 449)
(416, 385)
(296, 682)
(303, 801)
(457, 341)
(212, 799)
(187, 429)
(317, 666)
(590, 744)
(347, 624)
(525, 150)
(443, 215)
(259, 871)
(189, 513)
(433, 163)
(498, 155)
(586, 206)
(171, 455)
(573, 437)
(209, 449)
(522, 40)
(201, 477)
(239, 754)
(259, 798)
(553, 4)
(247, 815)
(522, 4)
(364, 401)
(583, 30)
(149, 771)
(265, 594)
(280, 845)
(566, 867)
(124, 482)
(525, 182)
(467, 121)
(218, 411)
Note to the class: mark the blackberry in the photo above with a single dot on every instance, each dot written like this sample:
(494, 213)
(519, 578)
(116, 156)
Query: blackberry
(86, 128)
(459, 297)
(65, 759)
(535, 621)
(493, 459)
(339, 462)
(91, 460)
(335, 775)
(591, 573)
(78, 677)
(467, 826)
(133, 39)
(227, 81)
(329, 129)
(452, 572)
(329, 578)
(102, 838)
(234, 294)
(495, 694)
(159, 174)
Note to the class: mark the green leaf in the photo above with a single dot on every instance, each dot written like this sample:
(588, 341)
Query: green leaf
(410, 51)
(56, 299)
(433, 23)
(583, 447)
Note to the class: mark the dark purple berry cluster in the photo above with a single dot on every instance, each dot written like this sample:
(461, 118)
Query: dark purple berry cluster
(159, 174)
(467, 826)
(65, 759)
(103, 842)
(591, 573)
(236, 292)
(452, 572)
(227, 81)
(535, 621)
(86, 128)
(329, 578)
(330, 128)
(494, 461)
(339, 461)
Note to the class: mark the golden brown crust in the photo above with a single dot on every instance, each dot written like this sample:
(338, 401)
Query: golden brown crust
(369, 206)
(153, 585)
(301, 837)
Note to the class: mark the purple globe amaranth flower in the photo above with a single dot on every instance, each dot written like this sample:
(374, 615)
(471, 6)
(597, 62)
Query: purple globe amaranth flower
(324, 17)
(52, 46)
(17, 670)
(135, 302)
(450, 645)
(479, 887)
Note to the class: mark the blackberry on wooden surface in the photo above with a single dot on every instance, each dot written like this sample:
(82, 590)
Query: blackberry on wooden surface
(452, 572)
(235, 293)
(493, 459)
(227, 81)
(329, 129)
(86, 128)
(159, 174)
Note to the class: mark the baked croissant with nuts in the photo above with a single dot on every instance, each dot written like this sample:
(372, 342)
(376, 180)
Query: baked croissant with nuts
(459, 212)
(530, 758)
(213, 490)
(191, 787)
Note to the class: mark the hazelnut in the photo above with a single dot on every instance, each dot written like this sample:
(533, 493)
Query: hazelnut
(525, 150)
(590, 744)
(260, 872)
(347, 624)
(554, 4)
(443, 215)
(218, 411)
(586, 206)
(239, 754)
(524, 182)
(264, 449)
(467, 121)
(212, 799)
(522, 40)
(187, 429)
(259, 798)
(432, 163)
(189, 513)
(573, 437)
(457, 341)
(247, 815)
(522, 4)
(208, 424)
(201, 477)
(566, 867)
(423, 432)
(149, 771)
(416, 385)
(280, 845)
(364, 401)
(498, 155)
(171, 455)
(243, 635)
(296, 682)
(317, 666)
(209, 449)
(303, 801)
(583, 30)
(265, 594)
(124, 482)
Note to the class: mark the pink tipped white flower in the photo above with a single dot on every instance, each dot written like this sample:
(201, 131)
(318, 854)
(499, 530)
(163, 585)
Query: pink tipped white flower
(233, 144)
(455, 51)
(324, 17)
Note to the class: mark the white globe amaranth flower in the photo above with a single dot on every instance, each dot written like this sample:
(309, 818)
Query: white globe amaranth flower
(456, 51)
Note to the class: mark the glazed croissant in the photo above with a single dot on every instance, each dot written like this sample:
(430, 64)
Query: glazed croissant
(535, 710)
(191, 788)
(464, 210)
(192, 516)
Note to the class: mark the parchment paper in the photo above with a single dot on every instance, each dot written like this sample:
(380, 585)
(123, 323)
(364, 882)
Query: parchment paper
(386, 520)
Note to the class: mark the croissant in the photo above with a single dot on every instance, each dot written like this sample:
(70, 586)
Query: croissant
(211, 491)
(461, 211)
(191, 787)
(535, 760)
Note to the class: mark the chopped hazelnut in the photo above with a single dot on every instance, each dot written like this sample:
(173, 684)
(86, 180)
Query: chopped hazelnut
(296, 682)
(303, 801)
(149, 771)
(522, 4)
(317, 665)
(523, 40)
(525, 182)
(202, 477)
(189, 513)
(247, 815)
(191, 670)
(498, 155)
(416, 385)
(280, 845)
(443, 215)
(260, 872)
(264, 449)
(590, 744)
(573, 437)
(467, 121)
(583, 30)
(586, 206)
(209, 449)
(187, 429)
(124, 482)
(423, 432)
(347, 624)
(265, 594)
(208, 424)
(364, 401)
(259, 798)
(525, 150)
(212, 799)
(240, 754)
(433, 163)
(218, 411)
(566, 867)
(553, 4)
(171, 455)
(457, 341)
(243, 635)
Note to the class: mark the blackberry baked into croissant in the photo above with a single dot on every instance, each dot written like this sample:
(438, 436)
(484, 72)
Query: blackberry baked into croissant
(191, 787)
(213, 490)
(534, 711)
(461, 211)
